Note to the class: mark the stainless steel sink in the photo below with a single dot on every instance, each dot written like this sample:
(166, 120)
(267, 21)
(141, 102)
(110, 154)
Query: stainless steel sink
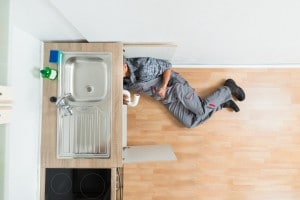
(85, 84)
(87, 78)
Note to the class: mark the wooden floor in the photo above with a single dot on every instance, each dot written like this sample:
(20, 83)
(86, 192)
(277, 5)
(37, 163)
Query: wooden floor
(250, 155)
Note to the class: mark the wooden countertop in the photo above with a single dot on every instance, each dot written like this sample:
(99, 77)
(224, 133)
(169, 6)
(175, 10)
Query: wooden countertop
(49, 113)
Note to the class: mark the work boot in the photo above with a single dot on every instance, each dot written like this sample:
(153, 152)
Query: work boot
(236, 91)
(231, 104)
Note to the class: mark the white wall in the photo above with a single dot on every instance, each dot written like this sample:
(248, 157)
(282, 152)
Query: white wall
(4, 27)
(206, 32)
(42, 20)
(22, 138)
(30, 22)
(4, 42)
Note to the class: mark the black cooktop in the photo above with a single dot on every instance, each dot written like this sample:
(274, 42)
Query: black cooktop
(77, 184)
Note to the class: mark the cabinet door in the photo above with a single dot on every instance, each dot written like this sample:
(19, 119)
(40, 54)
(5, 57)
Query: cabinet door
(148, 153)
(160, 51)
(5, 94)
(5, 114)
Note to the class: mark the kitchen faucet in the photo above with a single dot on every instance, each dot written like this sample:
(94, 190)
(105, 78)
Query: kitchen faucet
(64, 108)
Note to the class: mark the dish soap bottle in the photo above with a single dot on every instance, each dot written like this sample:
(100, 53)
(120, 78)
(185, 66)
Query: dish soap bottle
(49, 73)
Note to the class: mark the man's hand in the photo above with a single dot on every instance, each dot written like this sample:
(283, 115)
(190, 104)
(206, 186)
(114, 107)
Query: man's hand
(125, 99)
(162, 92)
(166, 78)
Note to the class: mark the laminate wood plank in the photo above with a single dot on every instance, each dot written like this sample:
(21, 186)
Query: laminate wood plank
(250, 155)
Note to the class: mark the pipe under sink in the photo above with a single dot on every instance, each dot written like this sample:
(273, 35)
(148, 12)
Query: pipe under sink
(85, 80)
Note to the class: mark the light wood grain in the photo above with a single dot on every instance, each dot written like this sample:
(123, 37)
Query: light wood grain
(250, 155)
(48, 140)
(48, 134)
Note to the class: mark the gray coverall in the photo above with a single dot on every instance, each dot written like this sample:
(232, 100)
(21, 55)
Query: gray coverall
(180, 99)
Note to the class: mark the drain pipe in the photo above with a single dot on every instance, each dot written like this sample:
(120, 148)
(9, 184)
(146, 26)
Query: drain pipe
(136, 98)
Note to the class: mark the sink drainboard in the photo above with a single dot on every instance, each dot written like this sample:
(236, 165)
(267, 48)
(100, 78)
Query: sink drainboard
(81, 135)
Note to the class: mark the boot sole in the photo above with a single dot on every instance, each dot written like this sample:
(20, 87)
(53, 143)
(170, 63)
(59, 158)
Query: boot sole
(238, 93)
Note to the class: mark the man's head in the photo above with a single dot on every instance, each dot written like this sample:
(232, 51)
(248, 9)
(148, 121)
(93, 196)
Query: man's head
(125, 70)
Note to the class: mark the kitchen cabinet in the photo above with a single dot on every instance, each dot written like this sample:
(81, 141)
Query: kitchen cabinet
(5, 104)
(48, 147)
(148, 153)
(5, 114)
(120, 152)
(5, 94)
(163, 51)
(144, 153)
(49, 113)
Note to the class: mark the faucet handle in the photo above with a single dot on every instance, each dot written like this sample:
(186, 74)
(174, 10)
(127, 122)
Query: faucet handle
(63, 105)
(62, 100)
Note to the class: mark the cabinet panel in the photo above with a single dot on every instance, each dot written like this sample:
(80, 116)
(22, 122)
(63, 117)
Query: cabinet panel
(5, 94)
(5, 114)
(160, 51)
(148, 153)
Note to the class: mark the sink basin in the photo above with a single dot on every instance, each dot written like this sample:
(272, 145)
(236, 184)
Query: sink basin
(87, 78)
(85, 81)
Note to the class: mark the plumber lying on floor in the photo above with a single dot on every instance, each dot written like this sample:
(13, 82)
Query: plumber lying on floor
(155, 78)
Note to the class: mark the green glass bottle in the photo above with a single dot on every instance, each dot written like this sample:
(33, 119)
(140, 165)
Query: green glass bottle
(49, 73)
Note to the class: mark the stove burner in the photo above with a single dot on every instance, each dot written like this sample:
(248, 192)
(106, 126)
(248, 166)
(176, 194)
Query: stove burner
(61, 183)
(78, 184)
(92, 186)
